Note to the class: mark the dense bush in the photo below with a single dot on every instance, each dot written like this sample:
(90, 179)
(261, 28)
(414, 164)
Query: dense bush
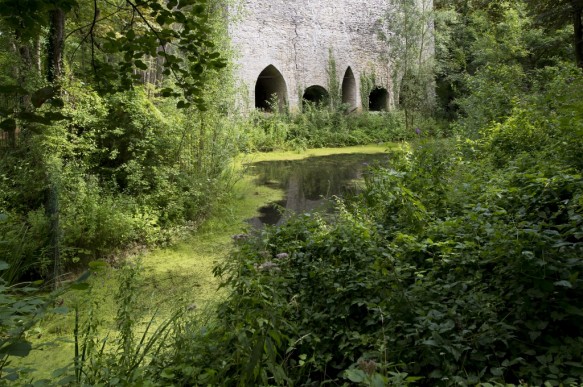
(127, 169)
(459, 264)
(318, 127)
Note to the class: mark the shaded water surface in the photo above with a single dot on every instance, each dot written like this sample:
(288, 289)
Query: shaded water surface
(309, 182)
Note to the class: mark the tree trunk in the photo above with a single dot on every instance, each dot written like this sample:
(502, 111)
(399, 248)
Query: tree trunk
(38, 56)
(56, 44)
(55, 49)
(26, 63)
(578, 30)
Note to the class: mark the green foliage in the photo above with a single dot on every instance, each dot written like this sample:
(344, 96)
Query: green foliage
(316, 128)
(543, 122)
(479, 42)
(367, 84)
(278, 327)
(459, 264)
(21, 307)
(476, 274)
(122, 168)
(185, 26)
(407, 31)
(149, 28)
(334, 87)
(124, 360)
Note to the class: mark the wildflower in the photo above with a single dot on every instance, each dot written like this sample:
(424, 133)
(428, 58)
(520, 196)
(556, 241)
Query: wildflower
(418, 131)
(282, 256)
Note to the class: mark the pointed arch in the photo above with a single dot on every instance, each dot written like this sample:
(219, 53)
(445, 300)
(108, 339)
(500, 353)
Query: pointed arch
(349, 89)
(378, 99)
(270, 85)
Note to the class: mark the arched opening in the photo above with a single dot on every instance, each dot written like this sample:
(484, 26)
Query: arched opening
(270, 90)
(316, 95)
(349, 90)
(378, 99)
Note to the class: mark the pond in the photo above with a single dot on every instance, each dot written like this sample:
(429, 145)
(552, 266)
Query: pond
(308, 183)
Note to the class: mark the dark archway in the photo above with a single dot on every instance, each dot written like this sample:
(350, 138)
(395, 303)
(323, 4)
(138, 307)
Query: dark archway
(349, 90)
(270, 84)
(316, 95)
(378, 100)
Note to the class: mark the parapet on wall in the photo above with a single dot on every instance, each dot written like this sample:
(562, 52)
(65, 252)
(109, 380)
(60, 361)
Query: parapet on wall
(284, 46)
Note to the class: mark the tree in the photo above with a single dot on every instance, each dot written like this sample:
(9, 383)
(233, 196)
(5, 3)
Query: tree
(175, 31)
(407, 30)
(558, 13)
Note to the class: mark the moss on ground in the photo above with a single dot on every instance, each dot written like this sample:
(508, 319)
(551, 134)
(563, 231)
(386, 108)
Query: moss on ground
(180, 275)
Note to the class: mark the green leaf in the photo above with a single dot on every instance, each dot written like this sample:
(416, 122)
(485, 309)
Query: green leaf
(161, 20)
(184, 3)
(12, 376)
(57, 103)
(141, 65)
(19, 349)
(355, 375)
(60, 372)
(4, 265)
(80, 286)
(496, 371)
(563, 283)
(61, 310)
(378, 380)
(167, 373)
(67, 380)
(97, 265)
(182, 105)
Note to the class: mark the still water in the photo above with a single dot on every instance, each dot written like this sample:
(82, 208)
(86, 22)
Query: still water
(308, 183)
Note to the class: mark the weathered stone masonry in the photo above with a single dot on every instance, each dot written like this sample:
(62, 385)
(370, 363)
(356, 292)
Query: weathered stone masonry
(284, 48)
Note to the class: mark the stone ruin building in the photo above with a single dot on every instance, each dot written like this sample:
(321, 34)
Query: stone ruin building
(287, 48)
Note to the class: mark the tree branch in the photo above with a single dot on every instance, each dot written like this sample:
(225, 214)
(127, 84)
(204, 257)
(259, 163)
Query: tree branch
(91, 33)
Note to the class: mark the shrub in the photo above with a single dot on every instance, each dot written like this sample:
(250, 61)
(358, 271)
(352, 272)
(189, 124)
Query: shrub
(431, 277)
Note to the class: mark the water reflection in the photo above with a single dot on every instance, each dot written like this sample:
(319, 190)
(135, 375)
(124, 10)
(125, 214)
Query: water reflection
(308, 183)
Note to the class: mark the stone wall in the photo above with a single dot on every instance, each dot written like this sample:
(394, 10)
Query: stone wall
(284, 46)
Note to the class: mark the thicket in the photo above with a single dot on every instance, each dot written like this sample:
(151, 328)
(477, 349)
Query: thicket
(459, 264)
(318, 127)
(104, 143)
